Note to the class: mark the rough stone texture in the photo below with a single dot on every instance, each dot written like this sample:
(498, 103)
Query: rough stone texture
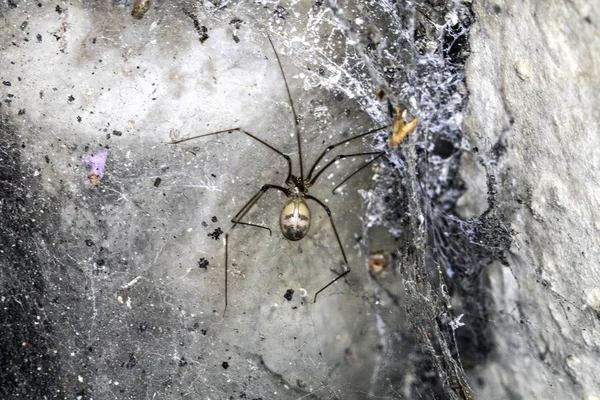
(533, 79)
(116, 291)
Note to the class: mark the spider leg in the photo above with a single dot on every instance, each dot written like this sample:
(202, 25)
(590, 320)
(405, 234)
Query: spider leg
(329, 148)
(357, 171)
(287, 158)
(296, 128)
(341, 157)
(236, 221)
(328, 211)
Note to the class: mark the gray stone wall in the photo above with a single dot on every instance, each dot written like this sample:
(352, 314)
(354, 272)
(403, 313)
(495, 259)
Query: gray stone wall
(112, 285)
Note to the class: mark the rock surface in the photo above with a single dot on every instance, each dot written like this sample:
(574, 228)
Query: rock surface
(533, 79)
(111, 276)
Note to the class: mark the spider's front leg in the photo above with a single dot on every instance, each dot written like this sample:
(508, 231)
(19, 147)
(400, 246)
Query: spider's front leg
(311, 180)
(377, 154)
(287, 158)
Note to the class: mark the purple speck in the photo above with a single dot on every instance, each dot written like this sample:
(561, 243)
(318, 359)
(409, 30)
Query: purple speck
(97, 163)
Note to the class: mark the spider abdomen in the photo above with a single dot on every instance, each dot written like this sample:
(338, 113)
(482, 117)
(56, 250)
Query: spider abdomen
(295, 219)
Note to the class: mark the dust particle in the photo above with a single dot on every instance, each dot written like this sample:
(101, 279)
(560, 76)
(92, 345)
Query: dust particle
(203, 263)
(216, 234)
(288, 294)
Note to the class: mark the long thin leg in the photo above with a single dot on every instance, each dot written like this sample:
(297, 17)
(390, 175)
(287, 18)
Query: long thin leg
(328, 211)
(250, 203)
(287, 158)
(296, 129)
(237, 219)
(357, 171)
(329, 148)
(341, 157)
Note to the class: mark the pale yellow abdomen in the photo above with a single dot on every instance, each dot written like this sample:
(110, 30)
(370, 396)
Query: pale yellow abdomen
(295, 219)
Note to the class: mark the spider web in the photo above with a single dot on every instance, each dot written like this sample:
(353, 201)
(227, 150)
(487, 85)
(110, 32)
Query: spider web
(120, 293)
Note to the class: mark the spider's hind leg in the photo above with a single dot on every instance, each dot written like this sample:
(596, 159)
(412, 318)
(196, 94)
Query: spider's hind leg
(328, 211)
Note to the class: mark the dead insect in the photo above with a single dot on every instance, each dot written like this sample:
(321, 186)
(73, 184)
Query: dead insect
(378, 261)
(295, 216)
(140, 8)
(401, 128)
(94, 179)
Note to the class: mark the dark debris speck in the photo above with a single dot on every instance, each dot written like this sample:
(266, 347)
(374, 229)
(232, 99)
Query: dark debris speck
(288, 294)
(216, 234)
(203, 38)
(6, 83)
(214, 219)
(204, 331)
(236, 22)
(203, 263)
(132, 362)
(89, 242)
(200, 29)
(71, 99)
(225, 365)
(280, 12)
(204, 224)
(157, 182)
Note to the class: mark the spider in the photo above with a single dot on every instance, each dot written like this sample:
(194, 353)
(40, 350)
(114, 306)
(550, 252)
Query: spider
(295, 217)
